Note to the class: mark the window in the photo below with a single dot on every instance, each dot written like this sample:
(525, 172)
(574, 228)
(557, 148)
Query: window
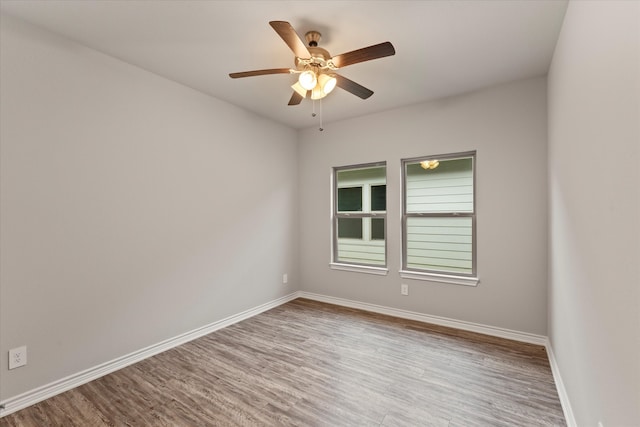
(360, 213)
(438, 216)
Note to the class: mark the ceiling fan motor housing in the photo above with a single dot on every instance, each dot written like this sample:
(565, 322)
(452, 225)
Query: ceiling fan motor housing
(319, 58)
(312, 37)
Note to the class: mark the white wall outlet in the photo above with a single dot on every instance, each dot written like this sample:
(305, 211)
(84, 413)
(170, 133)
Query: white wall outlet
(600, 424)
(285, 279)
(17, 357)
(404, 289)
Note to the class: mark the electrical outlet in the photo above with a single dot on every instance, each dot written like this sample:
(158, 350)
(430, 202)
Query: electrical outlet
(17, 357)
(285, 279)
(600, 424)
(404, 289)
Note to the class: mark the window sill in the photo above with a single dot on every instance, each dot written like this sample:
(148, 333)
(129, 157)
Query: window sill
(442, 278)
(380, 271)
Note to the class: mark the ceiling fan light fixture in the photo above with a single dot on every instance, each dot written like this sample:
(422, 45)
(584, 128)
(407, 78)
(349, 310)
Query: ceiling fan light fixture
(308, 79)
(327, 83)
(317, 93)
(298, 88)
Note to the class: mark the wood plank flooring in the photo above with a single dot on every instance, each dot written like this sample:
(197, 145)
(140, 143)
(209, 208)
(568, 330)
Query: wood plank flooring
(307, 363)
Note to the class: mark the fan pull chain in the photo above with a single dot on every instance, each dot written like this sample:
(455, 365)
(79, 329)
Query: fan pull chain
(313, 112)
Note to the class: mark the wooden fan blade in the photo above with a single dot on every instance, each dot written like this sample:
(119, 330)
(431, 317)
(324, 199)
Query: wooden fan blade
(365, 54)
(296, 98)
(291, 38)
(260, 72)
(353, 87)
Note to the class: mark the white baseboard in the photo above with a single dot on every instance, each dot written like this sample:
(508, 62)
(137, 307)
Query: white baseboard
(562, 391)
(436, 320)
(39, 394)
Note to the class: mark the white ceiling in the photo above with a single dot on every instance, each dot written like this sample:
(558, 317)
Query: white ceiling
(443, 47)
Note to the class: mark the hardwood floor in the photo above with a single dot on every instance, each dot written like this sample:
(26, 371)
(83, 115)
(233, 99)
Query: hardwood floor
(312, 364)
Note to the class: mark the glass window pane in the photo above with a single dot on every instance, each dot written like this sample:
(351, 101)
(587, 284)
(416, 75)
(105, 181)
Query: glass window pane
(377, 228)
(440, 244)
(350, 228)
(445, 186)
(358, 250)
(353, 177)
(378, 197)
(350, 199)
(361, 252)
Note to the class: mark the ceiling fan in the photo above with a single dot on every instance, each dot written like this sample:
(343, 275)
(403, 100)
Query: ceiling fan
(316, 68)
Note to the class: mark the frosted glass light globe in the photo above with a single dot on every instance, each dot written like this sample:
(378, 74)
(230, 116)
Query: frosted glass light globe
(308, 80)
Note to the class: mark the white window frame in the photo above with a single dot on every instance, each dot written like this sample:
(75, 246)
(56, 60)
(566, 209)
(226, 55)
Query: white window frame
(470, 279)
(336, 264)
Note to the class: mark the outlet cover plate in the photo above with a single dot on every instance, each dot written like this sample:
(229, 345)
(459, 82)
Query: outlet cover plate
(17, 357)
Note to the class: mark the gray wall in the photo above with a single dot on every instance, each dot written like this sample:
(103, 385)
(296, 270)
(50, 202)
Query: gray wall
(132, 208)
(594, 211)
(507, 126)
